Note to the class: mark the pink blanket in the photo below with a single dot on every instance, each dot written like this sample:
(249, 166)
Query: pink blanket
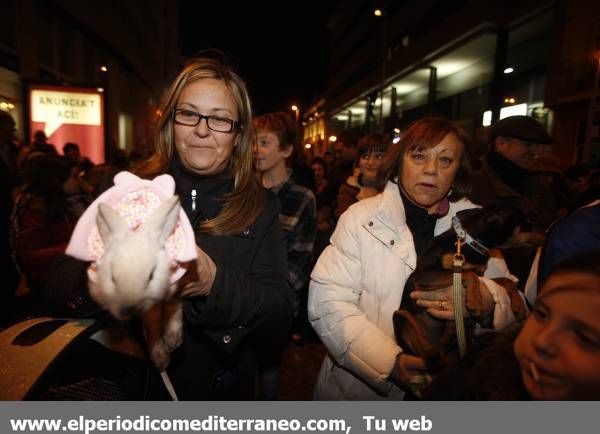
(134, 199)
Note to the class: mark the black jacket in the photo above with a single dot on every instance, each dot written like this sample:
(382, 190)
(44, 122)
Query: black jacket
(535, 201)
(250, 304)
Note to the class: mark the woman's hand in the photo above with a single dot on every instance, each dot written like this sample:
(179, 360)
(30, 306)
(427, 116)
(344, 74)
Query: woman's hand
(479, 302)
(199, 278)
(409, 373)
(439, 302)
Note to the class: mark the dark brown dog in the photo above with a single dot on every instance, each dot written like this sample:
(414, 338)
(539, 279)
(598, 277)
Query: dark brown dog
(417, 332)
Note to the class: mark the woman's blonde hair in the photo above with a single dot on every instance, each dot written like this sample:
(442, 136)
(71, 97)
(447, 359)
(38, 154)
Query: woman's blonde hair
(242, 206)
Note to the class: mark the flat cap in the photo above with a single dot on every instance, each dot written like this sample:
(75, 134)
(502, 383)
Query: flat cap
(521, 127)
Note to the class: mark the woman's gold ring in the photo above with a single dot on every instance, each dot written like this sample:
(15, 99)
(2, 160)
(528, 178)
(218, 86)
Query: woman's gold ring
(441, 305)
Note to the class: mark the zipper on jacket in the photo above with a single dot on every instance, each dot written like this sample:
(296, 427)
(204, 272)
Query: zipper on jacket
(193, 194)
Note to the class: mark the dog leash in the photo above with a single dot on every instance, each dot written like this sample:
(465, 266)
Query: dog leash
(463, 237)
(459, 296)
(169, 385)
(139, 332)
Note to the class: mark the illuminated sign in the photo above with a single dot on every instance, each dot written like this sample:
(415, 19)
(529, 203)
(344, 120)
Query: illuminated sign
(69, 114)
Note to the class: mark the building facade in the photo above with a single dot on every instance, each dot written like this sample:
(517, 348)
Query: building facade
(470, 61)
(127, 50)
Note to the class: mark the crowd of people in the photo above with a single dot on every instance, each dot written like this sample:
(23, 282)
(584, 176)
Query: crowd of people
(285, 245)
(44, 193)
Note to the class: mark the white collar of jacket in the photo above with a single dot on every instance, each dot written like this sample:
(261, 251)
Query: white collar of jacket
(391, 209)
(387, 221)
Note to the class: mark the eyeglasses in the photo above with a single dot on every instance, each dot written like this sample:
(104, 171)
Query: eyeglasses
(191, 118)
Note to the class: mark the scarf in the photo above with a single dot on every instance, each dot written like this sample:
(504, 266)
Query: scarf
(510, 173)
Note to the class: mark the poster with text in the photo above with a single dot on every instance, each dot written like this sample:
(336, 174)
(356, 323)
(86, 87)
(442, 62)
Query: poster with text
(69, 114)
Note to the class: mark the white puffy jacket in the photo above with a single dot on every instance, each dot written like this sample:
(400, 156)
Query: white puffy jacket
(355, 287)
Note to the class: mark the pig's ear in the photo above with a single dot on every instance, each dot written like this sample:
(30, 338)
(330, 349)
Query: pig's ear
(166, 183)
(125, 177)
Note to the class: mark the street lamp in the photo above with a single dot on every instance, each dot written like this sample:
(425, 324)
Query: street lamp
(379, 13)
(296, 109)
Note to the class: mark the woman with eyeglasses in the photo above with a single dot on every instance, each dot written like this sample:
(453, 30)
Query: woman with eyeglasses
(237, 296)
(363, 182)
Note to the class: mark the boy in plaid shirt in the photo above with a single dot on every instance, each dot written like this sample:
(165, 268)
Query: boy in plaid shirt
(275, 137)
(274, 145)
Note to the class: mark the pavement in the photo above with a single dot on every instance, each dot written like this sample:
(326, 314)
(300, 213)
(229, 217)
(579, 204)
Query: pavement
(299, 369)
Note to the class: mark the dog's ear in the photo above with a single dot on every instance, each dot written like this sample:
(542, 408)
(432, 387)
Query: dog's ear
(494, 220)
(509, 217)
(465, 214)
(500, 222)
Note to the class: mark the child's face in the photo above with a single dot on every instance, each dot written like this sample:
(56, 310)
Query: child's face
(561, 338)
(268, 153)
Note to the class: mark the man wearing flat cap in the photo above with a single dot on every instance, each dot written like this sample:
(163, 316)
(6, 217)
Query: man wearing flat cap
(504, 177)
